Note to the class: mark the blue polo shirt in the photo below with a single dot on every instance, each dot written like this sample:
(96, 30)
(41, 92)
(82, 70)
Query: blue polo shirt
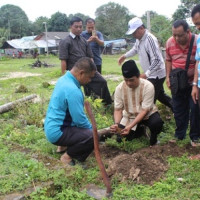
(197, 57)
(66, 108)
(96, 48)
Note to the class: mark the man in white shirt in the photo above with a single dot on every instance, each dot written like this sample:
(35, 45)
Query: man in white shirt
(150, 58)
(134, 105)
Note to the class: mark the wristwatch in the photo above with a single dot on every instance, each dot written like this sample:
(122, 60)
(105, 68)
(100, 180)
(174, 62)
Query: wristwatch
(194, 83)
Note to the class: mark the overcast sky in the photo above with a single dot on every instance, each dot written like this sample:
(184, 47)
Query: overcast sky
(37, 8)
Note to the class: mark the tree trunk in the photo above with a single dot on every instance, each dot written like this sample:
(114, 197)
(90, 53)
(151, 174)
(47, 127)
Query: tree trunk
(8, 106)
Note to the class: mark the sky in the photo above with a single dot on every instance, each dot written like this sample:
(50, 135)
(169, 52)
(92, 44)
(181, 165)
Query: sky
(37, 8)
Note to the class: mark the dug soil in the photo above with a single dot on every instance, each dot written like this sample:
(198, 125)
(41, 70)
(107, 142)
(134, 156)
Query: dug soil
(144, 166)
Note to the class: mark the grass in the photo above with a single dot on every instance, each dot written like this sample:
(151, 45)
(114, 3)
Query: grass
(22, 142)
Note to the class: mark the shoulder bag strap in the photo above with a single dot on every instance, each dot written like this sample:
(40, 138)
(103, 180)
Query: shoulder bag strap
(189, 52)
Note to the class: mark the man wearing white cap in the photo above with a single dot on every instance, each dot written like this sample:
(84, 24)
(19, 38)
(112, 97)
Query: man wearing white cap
(150, 58)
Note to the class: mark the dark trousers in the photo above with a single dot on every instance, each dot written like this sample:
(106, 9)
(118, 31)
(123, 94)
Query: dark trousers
(186, 111)
(98, 87)
(160, 94)
(79, 142)
(98, 68)
(155, 125)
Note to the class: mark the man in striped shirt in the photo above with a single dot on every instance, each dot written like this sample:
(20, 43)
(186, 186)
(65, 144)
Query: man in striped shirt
(150, 58)
(185, 110)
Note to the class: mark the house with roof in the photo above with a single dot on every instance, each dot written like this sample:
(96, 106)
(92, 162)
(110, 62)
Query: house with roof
(41, 42)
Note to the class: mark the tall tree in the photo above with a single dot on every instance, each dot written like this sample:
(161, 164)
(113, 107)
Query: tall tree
(3, 36)
(58, 22)
(112, 20)
(184, 9)
(38, 26)
(160, 26)
(15, 20)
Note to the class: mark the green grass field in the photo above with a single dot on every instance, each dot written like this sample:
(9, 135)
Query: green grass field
(24, 150)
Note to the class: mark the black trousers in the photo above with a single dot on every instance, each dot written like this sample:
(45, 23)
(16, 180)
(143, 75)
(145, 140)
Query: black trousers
(79, 142)
(98, 87)
(160, 94)
(98, 68)
(185, 112)
(155, 125)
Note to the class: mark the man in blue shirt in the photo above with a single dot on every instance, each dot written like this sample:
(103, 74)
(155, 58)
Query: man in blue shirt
(66, 123)
(95, 40)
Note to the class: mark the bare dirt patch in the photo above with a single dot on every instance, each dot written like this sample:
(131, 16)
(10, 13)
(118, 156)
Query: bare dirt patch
(18, 75)
(144, 166)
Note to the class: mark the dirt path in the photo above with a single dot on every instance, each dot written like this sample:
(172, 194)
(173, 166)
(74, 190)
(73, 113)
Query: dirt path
(18, 75)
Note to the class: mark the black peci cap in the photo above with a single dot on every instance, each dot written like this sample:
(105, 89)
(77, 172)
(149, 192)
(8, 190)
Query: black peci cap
(129, 69)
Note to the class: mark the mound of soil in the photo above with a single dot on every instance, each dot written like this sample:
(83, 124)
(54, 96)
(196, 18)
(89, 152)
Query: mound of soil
(146, 165)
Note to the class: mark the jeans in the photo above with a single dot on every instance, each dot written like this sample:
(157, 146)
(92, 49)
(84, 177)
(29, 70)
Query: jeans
(185, 111)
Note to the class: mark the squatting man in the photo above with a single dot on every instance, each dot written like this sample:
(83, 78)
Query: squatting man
(134, 105)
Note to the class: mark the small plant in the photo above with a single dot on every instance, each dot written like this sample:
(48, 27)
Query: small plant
(21, 89)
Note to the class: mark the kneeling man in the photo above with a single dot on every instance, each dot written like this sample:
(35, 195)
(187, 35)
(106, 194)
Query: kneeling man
(134, 105)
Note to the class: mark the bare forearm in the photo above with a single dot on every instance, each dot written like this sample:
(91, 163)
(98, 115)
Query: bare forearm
(168, 68)
(117, 116)
(196, 73)
(138, 119)
(63, 66)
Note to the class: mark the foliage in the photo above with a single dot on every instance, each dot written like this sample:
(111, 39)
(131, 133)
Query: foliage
(184, 10)
(38, 26)
(160, 27)
(14, 19)
(58, 22)
(3, 35)
(112, 20)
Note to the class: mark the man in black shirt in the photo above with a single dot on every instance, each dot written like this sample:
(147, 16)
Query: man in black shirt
(74, 47)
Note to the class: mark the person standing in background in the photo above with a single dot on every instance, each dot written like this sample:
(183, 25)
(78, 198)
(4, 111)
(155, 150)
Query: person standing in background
(185, 111)
(96, 41)
(74, 47)
(150, 58)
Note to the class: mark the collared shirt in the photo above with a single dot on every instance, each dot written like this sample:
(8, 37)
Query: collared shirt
(197, 57)
(66, 108)
(133, 101)
(72, 48)
(178, 56)
(150, 56)
(96, 48)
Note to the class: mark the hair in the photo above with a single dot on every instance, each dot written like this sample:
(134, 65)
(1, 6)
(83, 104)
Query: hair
(75, 19)
(89, 20)
(85, 64)
(195, 10)
(181, 22)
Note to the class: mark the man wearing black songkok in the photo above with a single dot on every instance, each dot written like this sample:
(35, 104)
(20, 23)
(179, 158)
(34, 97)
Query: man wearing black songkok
(134, 105)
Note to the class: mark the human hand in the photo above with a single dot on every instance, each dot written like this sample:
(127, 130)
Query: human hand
(92, 39)
(114, 128)
(195, 93)
(121, 59)
(168, 82)
(125, 131)
(143, 76)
